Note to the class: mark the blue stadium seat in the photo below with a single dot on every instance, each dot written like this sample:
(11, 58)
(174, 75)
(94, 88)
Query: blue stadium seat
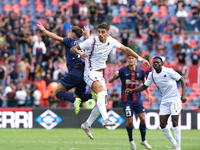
(24, 10)
(115, 11)
(154, 8)
(55, 8)
(188, 8)
(171, 11)
(15, 2)
(7, 2)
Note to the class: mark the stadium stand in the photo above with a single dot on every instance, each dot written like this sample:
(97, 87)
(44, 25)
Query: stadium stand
(19, 18)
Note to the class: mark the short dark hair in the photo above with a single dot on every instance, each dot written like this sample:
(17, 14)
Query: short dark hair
(158, 57)
(77, 30)
(103, 25)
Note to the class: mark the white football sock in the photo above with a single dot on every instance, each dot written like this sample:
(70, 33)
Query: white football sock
(101, 104)
(177, 134)
(93, 116)
(167, 133)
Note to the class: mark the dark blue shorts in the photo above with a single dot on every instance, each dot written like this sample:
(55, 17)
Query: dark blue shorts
(74, 79)
(130, 106)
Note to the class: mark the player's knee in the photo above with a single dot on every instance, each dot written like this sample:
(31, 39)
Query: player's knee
(102, 94)
(175, 124)
(142, 121)
(162, 125)
(129, 124)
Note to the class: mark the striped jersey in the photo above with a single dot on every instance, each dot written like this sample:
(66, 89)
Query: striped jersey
(72, 59)
(166, 83)
(98, 52)
(130, 79)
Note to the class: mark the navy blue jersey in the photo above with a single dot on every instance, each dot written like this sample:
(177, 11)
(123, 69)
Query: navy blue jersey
(72, 59)
(130, 79)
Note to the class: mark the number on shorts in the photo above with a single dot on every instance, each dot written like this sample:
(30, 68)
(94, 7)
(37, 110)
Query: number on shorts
(176, 106)
(128, 111)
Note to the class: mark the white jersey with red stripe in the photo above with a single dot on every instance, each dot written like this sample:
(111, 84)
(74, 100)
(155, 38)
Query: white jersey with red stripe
(98, 52)
(166, 83)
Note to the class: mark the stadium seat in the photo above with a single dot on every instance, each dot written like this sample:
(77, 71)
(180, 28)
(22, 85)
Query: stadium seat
(167, 38)
(27, 17)
(173, 19)
(193, 108)
(7, 7)
(116, 20)
(146, 9)
(48, 13)
(123, 13)
(7, 2)
(154, 8)
(109, 105)
(23, 2)
(63, 7)
(193, 43)
(55, 2)
(40, 8)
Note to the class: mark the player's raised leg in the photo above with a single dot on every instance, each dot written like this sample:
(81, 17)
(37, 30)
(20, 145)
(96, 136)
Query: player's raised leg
(101, 102)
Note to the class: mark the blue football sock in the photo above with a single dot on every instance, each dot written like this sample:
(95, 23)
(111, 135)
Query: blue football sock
(143, 131)
(129, 131)
(85, 97)
(65, 96)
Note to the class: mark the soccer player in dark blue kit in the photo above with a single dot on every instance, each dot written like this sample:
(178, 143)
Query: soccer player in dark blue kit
(74, 78)
(131, 76)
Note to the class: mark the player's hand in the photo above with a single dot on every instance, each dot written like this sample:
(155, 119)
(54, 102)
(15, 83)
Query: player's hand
(83, 54)
(183, 98)
(86, 31)
(150, 99)
(41, 27)
(145, 63)
(127, 91)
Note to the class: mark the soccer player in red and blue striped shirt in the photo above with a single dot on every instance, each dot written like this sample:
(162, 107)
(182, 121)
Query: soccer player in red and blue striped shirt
(130, 76)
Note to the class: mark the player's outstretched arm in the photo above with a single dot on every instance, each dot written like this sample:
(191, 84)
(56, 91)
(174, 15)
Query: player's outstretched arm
(138, 89)
(129, 51)
(183, 97)
(50, 34)
(149, 94)
(113, 78)
(76, 50)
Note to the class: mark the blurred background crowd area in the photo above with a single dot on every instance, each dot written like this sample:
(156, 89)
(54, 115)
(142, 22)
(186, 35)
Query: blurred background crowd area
(31, 63)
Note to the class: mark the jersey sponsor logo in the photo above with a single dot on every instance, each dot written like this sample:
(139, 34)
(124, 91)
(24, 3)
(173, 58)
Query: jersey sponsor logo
(127, 74)
(128, 81)
(138, 74)
(48, 119)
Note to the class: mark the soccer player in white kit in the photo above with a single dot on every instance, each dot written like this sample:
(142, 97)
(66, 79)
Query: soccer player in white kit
(171, 103)
(96, 53)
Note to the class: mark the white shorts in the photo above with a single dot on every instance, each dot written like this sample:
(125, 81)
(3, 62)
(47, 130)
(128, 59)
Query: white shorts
(91, 76)
(170, 108)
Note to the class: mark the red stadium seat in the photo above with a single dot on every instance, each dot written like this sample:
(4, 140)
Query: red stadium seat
(23, 2)
(193, 108)
(55, 2)
(63, 7)
(173, 19)
(27, 17)
(48, 13)
(109, 105)
(123, 13)
(189, 14)
(7, 7)
(116, 20)
(167, 38)
(17, 9)
(40, 8)
(163, 9)
(193, 43)
(146, 9)
(38, 2)
(156, 14)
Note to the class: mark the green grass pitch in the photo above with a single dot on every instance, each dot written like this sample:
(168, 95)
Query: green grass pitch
(76, 139)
